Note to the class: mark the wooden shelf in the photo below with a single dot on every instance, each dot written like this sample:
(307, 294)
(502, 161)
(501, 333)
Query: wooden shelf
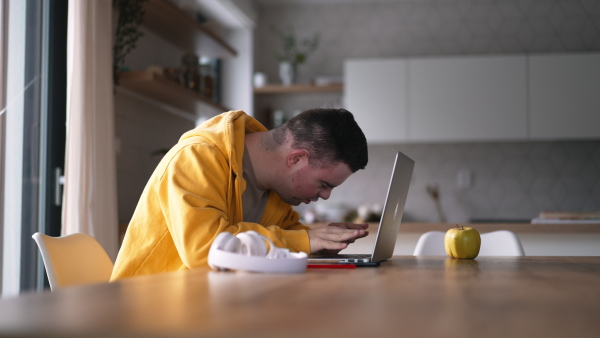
(167, 91)
(172, 24)
(297, 88)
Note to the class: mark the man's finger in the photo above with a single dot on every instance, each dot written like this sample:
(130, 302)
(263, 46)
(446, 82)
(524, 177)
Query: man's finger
(343, 236)
(333, 237)
(347, 225)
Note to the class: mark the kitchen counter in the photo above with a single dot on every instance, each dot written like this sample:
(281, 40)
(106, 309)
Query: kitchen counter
(514, 227)
(487, 227)
(537, 239)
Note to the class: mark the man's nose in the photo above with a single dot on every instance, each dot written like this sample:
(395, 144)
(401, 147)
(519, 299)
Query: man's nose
(325, 194)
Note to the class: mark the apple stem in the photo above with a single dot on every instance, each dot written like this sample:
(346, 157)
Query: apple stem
(461, 228)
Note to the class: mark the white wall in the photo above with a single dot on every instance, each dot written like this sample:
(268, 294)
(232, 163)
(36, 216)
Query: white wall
(237, 72)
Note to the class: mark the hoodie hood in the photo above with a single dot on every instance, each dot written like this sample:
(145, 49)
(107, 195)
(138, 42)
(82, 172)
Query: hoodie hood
(227, 132)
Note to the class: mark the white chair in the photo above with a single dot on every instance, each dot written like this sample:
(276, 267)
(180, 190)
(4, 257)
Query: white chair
(495, 243)
(431, 244)
(73, 260)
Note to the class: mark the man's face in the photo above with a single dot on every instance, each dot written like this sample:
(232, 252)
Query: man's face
(305, 184)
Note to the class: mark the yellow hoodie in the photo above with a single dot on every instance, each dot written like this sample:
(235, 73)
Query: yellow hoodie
(194, 194)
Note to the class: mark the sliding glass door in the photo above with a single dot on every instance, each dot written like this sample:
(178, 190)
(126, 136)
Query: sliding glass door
(32, 94)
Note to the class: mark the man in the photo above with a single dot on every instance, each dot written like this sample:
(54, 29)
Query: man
(231, 174)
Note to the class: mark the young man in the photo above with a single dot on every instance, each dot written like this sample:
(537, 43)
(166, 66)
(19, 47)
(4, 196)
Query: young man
(231, 174)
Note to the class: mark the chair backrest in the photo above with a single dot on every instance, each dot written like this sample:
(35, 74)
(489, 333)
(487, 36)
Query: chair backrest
(501, 243)
(495, 243)
(431, 244)
(73, 260)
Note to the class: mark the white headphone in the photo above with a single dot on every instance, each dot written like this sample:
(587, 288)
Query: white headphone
(248, 251)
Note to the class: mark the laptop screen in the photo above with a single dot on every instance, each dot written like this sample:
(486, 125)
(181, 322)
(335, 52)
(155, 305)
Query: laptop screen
(393, 208)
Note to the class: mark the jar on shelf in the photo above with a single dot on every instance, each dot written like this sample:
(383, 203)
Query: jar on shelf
(173, 74)
(190, 72)
(207, 73)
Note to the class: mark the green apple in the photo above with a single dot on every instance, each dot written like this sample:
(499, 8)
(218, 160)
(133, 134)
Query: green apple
(462, 242)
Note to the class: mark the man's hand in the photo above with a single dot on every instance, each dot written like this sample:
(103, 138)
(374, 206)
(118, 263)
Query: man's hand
(335, 236)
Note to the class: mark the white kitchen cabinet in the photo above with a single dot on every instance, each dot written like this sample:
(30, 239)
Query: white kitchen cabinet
(565, 96)
(375, 92)
(467, 98)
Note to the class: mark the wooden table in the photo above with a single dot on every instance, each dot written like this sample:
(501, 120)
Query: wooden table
(405, 297)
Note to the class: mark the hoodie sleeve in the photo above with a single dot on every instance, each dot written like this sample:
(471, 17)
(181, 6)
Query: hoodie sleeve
(194, 195)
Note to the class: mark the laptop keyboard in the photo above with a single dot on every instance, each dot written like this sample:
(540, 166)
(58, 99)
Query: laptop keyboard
(351, 256)
(355, 255)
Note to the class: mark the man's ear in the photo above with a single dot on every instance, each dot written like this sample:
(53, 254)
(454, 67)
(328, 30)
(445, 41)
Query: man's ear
(297, 156)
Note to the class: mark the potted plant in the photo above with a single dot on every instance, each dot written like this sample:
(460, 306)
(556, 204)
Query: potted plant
(293, 53)
(130, 15)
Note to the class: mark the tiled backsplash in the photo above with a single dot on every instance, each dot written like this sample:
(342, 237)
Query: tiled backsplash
(509, 180)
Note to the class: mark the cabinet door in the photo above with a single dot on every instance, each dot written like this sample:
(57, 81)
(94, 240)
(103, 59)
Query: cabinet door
(375, 92)
(468, 99)
(565, 96)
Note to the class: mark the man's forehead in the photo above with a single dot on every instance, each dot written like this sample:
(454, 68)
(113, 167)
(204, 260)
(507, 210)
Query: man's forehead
(335, 174)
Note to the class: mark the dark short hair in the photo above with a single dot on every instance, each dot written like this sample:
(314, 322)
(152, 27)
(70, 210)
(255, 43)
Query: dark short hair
(330, 135)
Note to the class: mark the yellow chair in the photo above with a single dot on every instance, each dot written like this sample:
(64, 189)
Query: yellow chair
(495, 243)
(73, 260)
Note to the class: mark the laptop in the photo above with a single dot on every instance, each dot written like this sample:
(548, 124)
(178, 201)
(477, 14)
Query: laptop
(389, 224)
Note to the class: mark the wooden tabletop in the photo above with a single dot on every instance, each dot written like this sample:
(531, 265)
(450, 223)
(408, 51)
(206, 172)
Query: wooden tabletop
(404, 297)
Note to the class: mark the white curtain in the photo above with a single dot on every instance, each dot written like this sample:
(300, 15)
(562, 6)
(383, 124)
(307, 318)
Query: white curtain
(90, 198)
